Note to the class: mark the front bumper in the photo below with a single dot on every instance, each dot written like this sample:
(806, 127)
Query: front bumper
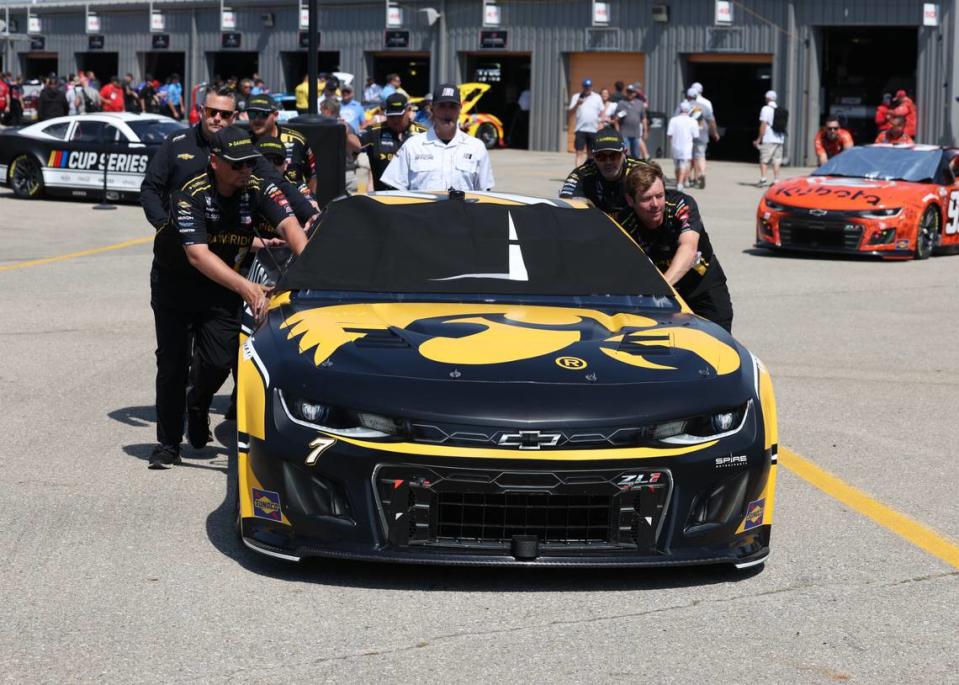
(833, 235)
(708, 505)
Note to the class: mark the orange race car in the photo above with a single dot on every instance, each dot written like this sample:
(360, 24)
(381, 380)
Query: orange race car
(892, 201)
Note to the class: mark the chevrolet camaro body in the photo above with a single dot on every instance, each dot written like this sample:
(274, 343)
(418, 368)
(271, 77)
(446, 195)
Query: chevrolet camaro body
(496, 380)
(892, 201)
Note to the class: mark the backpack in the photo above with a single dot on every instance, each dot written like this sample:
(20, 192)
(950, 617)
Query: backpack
(88, 104)
(780, 120)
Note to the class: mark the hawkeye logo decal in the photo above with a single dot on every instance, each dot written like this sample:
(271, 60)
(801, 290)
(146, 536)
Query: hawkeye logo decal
(95, 161)
(572, 363)
(266, 505)
(498, 334)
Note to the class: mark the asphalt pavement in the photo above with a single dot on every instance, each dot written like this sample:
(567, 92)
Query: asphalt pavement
(111, 572)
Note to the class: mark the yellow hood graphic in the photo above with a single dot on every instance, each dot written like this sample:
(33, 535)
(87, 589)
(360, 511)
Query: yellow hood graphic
(497, 334)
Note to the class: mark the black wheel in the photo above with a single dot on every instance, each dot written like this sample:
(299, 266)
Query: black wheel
(488, 135)
(928, 233)
(26, 177)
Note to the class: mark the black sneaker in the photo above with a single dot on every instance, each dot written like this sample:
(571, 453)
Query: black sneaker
(702, 182)
(164, 457)
(198, 428)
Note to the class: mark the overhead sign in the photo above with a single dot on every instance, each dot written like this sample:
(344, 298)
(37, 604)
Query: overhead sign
(305, 39)
(93, 23)
(95, 42)
(161, 41)
(491, 13)
(33, 24)
(230, 39)
(394, 15)
(724, 13)
(930, 14)
(157, 21)
(397, 39)
(304, 18)
(38, 43)
(600, 13)
(227, 19)
(493, 40)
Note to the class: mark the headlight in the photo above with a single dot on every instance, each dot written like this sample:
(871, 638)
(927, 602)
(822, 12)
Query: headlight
(879, 213)
(338, 421)
(701, 428)
(775, 206)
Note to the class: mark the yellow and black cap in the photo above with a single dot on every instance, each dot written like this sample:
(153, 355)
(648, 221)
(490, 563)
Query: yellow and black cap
(609, 140)
(233, 144)
(395, 105)
(272, 148)
(260, 103)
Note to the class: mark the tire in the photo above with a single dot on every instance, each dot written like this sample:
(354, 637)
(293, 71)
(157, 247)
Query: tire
(927, 233)
(26, 177)
(488, 135)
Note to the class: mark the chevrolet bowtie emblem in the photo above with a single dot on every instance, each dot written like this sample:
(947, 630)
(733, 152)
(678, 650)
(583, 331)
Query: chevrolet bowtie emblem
(529, 440)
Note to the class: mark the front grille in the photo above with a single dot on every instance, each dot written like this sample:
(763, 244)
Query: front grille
(485, 517)
(819, 234)
(488, 509)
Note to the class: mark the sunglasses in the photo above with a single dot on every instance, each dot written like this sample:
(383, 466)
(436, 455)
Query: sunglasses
(212, 112)
(258, 114)
(606, 156)
(832, 128)
(245, 164)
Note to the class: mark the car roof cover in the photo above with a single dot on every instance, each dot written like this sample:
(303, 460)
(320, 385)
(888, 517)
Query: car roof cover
(458, 246)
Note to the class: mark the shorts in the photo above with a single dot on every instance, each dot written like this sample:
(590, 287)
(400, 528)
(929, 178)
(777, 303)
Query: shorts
(681, 163)
(584, 140)
(771, 153)
(699, 150)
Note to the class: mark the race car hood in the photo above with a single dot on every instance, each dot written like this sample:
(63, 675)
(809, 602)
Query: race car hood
(841, 194)
(470, 94)
(504, 360)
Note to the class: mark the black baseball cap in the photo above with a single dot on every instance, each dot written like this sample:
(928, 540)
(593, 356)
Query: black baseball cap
(446, 92)
(609, 140)
(233, 144)
(271, 146)
(396, 105)
(261, 103)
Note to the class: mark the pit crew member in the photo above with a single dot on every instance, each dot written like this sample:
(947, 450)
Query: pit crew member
(831, 140)
(382, 141)
(262, 112)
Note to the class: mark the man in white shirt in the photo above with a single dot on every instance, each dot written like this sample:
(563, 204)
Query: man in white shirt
(769, 142)
(682, 130)
(444, 157)
(588, 106)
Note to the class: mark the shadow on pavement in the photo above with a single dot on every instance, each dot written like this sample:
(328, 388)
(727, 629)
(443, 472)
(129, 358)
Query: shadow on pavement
(814, 256)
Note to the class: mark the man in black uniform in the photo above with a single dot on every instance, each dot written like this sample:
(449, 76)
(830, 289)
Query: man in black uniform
(669, 229)
(275, 152)
(185, 154)
(195, 287)
(380, 142)
(300, 160)
(602, 178)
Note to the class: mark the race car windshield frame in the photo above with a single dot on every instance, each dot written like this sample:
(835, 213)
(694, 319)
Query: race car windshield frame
(461, 247)
(885, 164)
(610, 303)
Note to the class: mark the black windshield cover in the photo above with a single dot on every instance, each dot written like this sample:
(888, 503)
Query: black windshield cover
(883, 164)
(455, 246)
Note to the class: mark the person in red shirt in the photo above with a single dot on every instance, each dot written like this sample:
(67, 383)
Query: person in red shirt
(882, 112)
(111, 96)
(897, 134)
(831, 140)
(4, 97)
(907, 108)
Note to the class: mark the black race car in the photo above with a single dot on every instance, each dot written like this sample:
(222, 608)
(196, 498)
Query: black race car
(67, 156)
(492, 379)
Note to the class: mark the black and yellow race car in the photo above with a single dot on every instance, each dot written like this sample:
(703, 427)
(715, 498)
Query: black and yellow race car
(493, 379)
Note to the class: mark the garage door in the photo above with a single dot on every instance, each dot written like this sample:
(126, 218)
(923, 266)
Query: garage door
(605, 69)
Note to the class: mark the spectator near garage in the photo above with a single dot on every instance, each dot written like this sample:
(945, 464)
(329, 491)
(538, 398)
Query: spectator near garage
(588, 107)
(831, 140)
(708, 131)
(631, 120)
(351, 111)
(131, 99)
(87, 97)
(681, 132)
(670, 230)
(52, 100)
(771, 138)
(111, 95)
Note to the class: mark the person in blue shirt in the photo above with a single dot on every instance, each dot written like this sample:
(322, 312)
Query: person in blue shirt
(351, 111)
(174, 96)
(393, 82)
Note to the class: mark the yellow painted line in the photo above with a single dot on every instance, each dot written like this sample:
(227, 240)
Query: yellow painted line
(74, 255)
(918, 534)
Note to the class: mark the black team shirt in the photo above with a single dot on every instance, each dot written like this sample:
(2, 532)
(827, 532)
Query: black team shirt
(610, 196)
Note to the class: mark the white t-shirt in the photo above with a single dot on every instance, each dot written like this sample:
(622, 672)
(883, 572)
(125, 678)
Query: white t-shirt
(706, 107)
(682, 130)
(427, 163)
(587, 114)
(770, 136)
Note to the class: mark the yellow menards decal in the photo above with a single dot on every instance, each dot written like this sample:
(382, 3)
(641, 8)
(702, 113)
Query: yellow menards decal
(507, 333)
